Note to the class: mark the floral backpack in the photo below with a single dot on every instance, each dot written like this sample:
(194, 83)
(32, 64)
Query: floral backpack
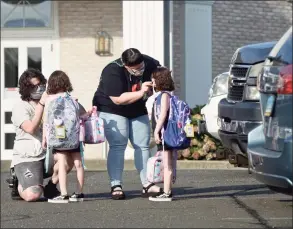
(63, 123)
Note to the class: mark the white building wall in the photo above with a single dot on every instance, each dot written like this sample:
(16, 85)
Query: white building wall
(143, 27)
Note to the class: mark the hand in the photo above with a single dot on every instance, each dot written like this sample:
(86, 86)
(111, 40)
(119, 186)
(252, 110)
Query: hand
(145, 87)
(157, 138)
(89, 112)
(44, 98)
(44, 144)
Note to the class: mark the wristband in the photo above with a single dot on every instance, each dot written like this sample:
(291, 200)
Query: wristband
(41, 104)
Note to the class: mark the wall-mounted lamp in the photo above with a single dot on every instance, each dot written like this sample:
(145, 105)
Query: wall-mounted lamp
(104, 44)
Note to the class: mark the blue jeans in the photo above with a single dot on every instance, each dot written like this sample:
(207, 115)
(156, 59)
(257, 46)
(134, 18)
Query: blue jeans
(118, 130)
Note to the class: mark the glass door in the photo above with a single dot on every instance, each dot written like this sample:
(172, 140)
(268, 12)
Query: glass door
(16, 57)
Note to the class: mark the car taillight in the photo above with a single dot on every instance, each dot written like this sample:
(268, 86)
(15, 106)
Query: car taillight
(285, 80)
(275, 79)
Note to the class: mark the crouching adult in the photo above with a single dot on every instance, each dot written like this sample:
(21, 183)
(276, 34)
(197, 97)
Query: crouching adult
(28, 154)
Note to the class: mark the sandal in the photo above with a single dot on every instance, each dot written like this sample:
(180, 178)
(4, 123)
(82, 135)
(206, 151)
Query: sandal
(145, 191)
(117, 196)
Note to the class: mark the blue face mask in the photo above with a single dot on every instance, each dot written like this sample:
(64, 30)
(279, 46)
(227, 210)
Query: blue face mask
(38, 92)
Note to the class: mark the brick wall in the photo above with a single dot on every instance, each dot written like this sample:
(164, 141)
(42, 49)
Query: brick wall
(237, 23)
(79, 22)
(178, 46)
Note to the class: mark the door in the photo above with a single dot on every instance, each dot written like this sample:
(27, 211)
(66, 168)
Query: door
(16, 57)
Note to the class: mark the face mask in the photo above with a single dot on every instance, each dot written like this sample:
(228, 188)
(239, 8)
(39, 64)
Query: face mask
(38, 92)
(137, 72)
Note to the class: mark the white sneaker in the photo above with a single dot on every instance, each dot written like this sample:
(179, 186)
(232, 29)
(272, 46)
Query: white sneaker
(76, 197)
(162, 197)
(59, 199)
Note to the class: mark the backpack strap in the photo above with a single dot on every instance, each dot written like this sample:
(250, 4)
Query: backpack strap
(156, 115)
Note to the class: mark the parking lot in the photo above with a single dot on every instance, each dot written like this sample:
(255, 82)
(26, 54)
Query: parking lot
(203, 199)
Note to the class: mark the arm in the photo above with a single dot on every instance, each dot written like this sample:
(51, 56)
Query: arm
(127, 97)
(165, 105)
(44, 141)
(83, 114)
(131, 97)
(30, 126)
(113, 81)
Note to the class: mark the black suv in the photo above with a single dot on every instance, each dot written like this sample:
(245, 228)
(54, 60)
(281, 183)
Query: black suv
(240, 112)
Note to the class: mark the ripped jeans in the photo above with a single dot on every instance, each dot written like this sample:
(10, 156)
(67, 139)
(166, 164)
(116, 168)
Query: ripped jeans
(118, 130)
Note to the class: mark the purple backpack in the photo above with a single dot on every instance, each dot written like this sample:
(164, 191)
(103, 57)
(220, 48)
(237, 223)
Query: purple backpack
(179, 115)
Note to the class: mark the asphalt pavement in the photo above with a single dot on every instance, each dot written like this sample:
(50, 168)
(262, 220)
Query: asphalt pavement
(202, 199)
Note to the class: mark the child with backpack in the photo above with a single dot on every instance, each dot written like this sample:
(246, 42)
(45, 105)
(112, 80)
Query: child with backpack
(170, 116)
(61, 133)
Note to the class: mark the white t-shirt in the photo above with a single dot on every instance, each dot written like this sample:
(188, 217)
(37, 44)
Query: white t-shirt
(149, 104)
(27, 147)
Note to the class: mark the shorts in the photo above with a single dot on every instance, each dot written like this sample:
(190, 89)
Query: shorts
(68, 151)
(160, 147)
(30, 173)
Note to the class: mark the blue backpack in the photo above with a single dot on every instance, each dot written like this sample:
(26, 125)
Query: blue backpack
(179, 115)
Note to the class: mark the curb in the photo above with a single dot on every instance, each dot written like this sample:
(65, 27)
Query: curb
(101, 165)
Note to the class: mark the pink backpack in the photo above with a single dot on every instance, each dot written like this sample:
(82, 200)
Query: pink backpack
(92, 129)
(155, 168)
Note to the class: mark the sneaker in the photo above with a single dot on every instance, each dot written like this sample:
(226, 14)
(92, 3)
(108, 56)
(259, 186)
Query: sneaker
(162, 197)
(51, 191)
(76, 197)
(10, 182)
(62, 199)
(15, 194)
(14, 188)
(12, 179)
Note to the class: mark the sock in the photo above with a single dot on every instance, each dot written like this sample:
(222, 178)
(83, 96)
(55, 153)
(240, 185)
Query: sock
(168, 193)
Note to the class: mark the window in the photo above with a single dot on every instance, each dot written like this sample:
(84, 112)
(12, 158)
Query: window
(11, 67)
(8, 117)
(26, 14)
(9, 140)
(285, 53)
(34, 58)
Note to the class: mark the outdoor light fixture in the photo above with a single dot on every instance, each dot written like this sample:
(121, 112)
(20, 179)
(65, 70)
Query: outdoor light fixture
(103, 44)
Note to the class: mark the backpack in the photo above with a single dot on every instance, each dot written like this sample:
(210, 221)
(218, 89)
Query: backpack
(155, 168)
(63, 123)
(179, 115)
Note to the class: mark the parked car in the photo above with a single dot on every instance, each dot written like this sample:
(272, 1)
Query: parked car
(239, 113)
(218, 91)
(270, 145)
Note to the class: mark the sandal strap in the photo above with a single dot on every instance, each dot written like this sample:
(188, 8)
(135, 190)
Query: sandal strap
(116, 186)
(146, 189)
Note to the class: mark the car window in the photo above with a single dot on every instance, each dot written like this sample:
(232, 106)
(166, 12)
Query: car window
(284, 56)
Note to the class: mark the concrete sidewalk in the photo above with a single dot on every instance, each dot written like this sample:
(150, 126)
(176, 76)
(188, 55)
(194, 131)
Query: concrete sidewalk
(101, 165)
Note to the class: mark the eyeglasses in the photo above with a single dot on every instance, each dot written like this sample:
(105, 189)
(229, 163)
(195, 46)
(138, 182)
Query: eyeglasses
(138, 71)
